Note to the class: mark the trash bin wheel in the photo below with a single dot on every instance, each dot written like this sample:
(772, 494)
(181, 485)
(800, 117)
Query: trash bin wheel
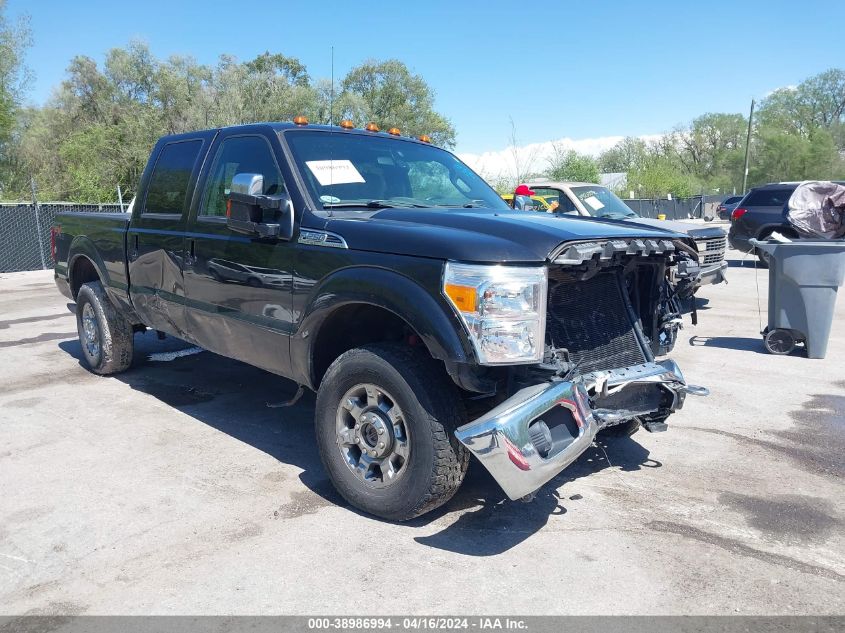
(779, 341)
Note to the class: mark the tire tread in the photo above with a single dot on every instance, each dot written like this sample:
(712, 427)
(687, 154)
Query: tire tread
(116, 334)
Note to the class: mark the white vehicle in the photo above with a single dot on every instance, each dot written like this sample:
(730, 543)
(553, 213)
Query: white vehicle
(595, 201)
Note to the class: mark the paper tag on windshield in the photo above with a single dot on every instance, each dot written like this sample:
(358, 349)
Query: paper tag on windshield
(594, 202)
(334, 172)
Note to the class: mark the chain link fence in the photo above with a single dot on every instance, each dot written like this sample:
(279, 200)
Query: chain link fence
(676, 208)
(25, 232)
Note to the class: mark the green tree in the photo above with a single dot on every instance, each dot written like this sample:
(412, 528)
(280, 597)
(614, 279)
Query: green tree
(627, 155)
(711, 143)
(790, 156)
(101, 122)
(570, 165)
(661, 176)
(14, 40)
(817, 102)
(393, 96)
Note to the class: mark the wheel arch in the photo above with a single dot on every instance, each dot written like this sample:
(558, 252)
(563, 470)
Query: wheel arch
(82, 269)
(385, 297)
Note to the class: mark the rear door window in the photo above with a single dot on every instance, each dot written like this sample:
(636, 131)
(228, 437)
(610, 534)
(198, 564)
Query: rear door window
(168, 188)
(768, 197)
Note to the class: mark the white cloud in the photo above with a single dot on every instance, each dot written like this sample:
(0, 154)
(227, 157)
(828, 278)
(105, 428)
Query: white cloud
(790, 88)
(535, 157)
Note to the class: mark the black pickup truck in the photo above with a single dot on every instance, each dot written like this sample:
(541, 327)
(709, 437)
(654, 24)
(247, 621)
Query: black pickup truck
(432, 320)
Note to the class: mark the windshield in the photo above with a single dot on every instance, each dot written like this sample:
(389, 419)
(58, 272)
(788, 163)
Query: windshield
(600, 202)
(357, 172)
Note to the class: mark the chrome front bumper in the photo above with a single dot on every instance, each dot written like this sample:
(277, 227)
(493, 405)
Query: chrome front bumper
(713, 273)
(500, 439)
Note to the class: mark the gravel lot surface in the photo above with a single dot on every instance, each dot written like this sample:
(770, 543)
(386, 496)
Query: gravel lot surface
(174, 489)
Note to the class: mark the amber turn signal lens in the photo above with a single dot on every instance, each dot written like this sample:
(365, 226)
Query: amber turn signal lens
(300, 120)
(371, 127)
(464, 297)
(394, 131)
(425, 138)
(346, 124)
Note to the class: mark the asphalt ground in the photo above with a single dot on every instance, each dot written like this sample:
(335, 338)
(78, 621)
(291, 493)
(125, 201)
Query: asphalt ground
(174, 489)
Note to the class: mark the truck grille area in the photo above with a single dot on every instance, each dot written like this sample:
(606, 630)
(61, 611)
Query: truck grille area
(591, 319)
(712, 251)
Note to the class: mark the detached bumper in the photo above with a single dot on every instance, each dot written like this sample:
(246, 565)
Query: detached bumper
(521, 459)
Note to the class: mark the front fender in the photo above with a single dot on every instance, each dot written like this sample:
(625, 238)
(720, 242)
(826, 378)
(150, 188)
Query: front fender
(425, 312)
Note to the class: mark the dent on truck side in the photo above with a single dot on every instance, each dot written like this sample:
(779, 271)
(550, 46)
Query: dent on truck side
(421, 308)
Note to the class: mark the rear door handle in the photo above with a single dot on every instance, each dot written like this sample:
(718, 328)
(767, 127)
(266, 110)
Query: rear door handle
(190, 258)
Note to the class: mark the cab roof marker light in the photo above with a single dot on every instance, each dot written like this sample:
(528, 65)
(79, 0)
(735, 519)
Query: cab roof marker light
(346, 124)
(300, 120)
(425, 138)
(394, 131)
(372, 127)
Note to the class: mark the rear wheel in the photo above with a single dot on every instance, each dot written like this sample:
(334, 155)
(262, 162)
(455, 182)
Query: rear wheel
(385, 418)
(105, 334)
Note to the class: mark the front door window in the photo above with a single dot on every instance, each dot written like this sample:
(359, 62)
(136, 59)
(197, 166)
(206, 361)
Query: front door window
(239, 155)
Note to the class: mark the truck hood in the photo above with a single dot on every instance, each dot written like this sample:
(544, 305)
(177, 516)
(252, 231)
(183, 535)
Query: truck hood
(695, 231)
(477, 235)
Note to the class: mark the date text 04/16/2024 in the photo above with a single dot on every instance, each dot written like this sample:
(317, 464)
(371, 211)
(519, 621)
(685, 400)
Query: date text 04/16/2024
(421, 623)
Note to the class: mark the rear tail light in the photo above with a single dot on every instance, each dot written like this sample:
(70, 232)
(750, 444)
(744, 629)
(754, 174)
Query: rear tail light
(54, 232)
(738, 213)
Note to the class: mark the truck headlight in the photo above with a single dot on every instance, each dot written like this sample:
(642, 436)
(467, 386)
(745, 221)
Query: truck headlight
(503, 309)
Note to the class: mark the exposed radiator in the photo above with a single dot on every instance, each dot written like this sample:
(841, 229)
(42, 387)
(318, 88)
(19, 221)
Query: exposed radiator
(591, 319)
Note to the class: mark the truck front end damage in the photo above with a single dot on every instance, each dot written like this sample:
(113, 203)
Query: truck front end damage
(598, 370)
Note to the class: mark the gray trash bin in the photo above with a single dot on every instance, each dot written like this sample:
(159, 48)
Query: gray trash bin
(803, 278)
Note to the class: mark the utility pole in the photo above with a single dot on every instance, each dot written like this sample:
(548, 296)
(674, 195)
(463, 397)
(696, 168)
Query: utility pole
(747, 147)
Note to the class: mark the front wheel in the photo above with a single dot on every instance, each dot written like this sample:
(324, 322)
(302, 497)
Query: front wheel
(385, 418)
(104, 333)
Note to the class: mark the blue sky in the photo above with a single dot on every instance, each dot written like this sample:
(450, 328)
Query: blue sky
(559, 69)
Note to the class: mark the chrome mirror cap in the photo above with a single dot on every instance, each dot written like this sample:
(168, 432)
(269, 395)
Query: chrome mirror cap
(248, 184)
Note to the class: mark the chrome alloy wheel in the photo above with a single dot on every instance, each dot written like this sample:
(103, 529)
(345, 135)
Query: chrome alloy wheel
(91, 334)
(372, 435)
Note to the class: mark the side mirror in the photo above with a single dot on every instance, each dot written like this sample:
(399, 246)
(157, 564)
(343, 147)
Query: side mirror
(251, 212)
